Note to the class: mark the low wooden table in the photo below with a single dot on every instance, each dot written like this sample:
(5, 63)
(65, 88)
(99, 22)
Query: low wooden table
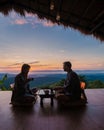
(43, 95)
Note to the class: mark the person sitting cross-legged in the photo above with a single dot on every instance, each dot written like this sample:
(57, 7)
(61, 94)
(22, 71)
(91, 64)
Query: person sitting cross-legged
(71, 91)
(21, 92)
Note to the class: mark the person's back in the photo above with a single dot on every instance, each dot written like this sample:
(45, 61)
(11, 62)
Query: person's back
(19, 87)
(74, 85)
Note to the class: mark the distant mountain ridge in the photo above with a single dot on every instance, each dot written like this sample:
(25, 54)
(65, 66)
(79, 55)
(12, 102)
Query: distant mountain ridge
(48, 78)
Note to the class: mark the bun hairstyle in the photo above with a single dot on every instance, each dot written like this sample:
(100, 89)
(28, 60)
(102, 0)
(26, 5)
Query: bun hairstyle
(25, 67)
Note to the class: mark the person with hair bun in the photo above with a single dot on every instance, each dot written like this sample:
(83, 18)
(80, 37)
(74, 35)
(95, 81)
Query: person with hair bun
(21, 92)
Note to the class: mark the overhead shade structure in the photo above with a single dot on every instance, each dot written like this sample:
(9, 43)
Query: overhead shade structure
(87, 16)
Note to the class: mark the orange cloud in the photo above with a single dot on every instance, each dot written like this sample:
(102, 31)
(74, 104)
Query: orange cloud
(30, 19)
(30, 15)
(20, 21)
(38, 21)
(47, 24)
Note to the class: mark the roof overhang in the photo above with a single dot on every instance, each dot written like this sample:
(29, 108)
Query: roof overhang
(87, 16)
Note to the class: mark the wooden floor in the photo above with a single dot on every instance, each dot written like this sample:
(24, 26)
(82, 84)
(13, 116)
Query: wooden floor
(90, 117)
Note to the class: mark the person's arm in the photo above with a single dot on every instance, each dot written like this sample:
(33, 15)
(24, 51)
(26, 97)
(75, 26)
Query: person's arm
(67, 85)
(21, 81)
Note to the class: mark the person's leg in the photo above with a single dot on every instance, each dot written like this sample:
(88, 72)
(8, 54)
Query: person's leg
(63, 99)
(29, 98)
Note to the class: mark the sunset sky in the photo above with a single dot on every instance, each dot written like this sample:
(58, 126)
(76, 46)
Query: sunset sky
(45, 46)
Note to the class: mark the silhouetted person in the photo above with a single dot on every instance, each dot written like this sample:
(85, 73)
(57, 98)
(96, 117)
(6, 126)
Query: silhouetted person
(72, 82)
(71, 89)
(21, 91)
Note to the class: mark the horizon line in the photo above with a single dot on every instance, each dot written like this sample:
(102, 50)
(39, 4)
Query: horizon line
(35, 71)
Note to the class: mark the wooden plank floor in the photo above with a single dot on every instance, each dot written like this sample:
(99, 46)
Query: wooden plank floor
(90, 117)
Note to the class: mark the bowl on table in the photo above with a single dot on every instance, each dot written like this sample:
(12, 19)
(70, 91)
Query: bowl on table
(46, 92)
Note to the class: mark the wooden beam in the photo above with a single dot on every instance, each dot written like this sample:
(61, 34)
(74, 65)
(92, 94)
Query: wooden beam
(97, 26)
(98, 16)
(87, 9)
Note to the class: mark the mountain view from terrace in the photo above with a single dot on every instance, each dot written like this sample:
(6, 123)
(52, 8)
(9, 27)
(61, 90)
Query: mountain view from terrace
(43, 78)
(45, 46)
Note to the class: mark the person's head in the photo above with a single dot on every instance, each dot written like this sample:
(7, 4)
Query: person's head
(25, 68)
(67, 66)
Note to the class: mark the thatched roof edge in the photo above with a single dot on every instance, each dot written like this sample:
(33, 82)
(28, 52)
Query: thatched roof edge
(7, 8)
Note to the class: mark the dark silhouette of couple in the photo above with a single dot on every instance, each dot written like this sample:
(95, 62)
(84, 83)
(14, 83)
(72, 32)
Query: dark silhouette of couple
(71, 91)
